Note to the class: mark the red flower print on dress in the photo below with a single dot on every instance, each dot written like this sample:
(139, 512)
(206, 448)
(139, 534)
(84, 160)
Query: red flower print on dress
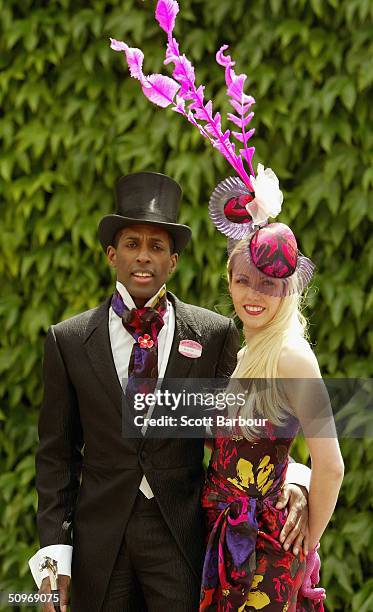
(145, 341)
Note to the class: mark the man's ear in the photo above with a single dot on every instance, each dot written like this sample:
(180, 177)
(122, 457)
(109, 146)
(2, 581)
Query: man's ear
(111, 254)
(174, 259)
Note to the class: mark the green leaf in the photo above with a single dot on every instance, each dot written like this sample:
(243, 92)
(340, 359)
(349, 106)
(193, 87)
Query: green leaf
(358, 205)
(6, 166)
(348, 95)
(337, 309)
(317, 6)
(291, 28)
(357, 297)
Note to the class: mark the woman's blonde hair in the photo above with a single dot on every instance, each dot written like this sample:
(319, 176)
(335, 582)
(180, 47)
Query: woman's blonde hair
(259, 358)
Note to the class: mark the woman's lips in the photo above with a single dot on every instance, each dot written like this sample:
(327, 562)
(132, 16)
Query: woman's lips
(254, 310)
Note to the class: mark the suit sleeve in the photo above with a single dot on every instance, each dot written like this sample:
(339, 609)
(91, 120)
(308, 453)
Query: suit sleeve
(59, 457)
(228, 357)
(298, 474)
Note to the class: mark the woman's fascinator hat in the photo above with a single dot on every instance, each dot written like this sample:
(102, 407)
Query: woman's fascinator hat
(269, 261)
(240, 206)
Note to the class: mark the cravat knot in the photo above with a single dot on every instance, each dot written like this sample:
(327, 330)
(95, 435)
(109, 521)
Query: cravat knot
(141, 321)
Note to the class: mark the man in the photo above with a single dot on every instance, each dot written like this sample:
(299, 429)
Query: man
(126, 511)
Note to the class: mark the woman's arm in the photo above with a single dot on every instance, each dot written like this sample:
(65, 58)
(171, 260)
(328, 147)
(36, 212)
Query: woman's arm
(309, 400)
(326, 480)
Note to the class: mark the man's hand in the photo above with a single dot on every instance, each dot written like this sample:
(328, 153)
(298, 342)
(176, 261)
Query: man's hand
(295, 530)
(63, 587)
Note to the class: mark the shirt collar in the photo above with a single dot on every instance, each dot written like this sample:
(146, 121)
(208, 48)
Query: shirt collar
(128, 300)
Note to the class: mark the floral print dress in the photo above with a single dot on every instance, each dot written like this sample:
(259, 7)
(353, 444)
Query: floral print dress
(246, 567)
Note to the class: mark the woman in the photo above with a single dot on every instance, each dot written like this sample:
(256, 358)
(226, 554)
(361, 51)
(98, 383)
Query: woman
(246, 567)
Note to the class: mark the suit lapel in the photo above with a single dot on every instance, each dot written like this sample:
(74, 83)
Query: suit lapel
(97, 344)
(186, 328)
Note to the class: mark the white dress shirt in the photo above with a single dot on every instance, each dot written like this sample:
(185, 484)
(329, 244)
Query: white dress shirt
(121, 346)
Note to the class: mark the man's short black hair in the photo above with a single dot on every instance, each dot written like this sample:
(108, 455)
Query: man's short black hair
(118, 234)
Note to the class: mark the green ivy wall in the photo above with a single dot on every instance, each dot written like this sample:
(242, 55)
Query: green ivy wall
(72, 121)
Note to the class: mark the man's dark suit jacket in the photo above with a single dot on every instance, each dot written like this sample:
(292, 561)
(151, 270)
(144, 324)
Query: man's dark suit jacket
(88, 475)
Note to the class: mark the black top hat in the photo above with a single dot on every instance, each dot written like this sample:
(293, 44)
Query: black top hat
(150, 198)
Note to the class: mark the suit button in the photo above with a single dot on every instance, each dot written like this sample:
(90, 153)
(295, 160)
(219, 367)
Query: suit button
(143, 455)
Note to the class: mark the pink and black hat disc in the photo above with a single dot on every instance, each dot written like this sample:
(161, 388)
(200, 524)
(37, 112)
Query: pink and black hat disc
(227, 208)
(271, 263)
(235, 209)
(274, 250)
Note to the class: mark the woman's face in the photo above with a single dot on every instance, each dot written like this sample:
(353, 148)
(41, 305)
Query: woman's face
(255, 309)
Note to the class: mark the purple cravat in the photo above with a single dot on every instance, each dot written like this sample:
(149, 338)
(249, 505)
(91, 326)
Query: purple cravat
(144, 325)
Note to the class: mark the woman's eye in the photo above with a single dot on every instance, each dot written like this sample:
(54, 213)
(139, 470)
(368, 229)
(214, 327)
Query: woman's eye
(267, 283)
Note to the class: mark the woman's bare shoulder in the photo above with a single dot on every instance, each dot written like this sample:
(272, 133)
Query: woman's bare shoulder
(297, 360)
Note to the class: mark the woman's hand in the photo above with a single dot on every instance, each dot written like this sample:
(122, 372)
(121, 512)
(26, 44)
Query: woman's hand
(295, 530)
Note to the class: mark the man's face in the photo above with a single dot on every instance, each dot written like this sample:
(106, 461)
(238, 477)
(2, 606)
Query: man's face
(143, 260)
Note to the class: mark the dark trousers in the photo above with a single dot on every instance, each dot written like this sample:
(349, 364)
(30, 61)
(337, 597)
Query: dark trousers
(150, 573)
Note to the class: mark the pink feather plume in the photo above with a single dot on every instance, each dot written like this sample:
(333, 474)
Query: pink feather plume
(165, 14)
(161, 90)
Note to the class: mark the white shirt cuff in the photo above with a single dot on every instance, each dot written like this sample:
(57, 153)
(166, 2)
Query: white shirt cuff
(299, 474)
(61, 553)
